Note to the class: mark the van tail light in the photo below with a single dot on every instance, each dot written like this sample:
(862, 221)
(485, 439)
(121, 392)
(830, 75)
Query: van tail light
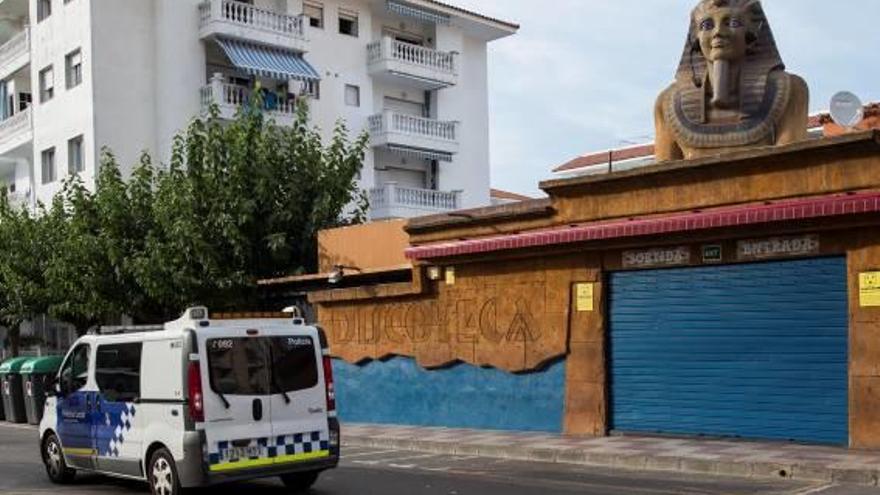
(328, 381)
(196, 398)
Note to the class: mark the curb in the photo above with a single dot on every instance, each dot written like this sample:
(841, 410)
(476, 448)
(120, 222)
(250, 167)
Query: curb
(691, 465)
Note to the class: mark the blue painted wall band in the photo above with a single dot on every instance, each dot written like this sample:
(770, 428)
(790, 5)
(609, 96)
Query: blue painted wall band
(399, 391)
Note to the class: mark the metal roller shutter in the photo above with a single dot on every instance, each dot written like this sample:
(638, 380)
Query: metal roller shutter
(753, 351)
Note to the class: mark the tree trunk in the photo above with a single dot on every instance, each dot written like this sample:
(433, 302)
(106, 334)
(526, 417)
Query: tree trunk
(14, 336)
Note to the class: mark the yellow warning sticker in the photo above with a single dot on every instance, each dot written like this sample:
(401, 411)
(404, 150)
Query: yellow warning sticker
(584, 297)
(869, 289)
(450, 275)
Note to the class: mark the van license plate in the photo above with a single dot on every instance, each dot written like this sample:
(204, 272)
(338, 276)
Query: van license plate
(241, 453)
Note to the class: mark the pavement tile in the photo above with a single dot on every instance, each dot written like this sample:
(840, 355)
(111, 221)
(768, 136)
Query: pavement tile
(734, 457)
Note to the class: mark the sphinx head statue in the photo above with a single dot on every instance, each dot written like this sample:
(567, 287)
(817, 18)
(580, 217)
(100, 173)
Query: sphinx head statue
(731, 89)
(727, 36)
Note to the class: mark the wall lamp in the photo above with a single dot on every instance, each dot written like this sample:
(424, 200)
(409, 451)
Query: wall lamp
(338, 273)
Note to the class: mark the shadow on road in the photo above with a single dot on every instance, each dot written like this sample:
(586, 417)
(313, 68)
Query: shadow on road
(126, 487)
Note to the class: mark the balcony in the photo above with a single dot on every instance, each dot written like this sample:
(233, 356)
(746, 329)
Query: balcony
(398, 131)
(15, 131)
(394, 201)
(230, 98)
(15, 53)
(231, 19)
(392, 61)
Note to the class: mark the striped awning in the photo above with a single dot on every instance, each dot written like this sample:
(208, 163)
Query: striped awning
(419, 153)
(261, 60)
(422, 14)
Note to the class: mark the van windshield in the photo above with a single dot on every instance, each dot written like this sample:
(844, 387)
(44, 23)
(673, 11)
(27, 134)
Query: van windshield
(262, 365)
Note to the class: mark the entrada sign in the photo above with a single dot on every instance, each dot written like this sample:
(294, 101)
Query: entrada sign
(778, 247)
(648, 258)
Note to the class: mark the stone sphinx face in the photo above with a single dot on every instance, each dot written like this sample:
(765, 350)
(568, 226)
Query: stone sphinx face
(723, 34)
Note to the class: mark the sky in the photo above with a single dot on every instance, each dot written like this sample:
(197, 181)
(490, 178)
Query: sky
(583, 75)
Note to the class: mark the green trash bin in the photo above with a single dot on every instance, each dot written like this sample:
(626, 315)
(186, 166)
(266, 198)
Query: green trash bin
(36, 375)
(10, 386)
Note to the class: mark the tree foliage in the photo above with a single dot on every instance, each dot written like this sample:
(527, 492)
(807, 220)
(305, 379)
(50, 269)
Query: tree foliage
(238, 201)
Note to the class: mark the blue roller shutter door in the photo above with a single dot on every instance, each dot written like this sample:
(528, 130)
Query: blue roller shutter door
(753, 351)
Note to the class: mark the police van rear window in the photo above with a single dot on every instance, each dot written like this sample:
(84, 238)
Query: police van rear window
(238, 366)
(294, 366)
(262, 365)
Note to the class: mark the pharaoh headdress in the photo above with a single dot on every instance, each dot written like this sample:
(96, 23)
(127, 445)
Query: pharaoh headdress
(764, 86)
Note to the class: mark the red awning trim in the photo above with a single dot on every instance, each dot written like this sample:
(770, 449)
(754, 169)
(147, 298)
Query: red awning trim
(732, 216)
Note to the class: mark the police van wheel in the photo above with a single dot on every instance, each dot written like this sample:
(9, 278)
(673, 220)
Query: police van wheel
(163, 474)
(300, 482)
(53, 458)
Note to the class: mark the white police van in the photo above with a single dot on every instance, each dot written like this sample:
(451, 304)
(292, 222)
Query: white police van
(195, 402)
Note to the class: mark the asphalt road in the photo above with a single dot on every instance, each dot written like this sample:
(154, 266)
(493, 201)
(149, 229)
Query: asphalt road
(387, 472)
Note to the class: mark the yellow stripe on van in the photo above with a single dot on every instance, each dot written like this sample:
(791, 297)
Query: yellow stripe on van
(268, 461)
(282, 459)
(82, 452)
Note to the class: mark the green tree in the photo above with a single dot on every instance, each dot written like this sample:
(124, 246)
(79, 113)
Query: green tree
(25, 245)
(89, 274)
(241, 201)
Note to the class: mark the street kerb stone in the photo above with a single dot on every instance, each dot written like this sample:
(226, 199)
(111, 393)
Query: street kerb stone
(703, 466)
(496, 451)
(663, 463)
(631, 462)
(572, 456)
(467, 449)
(771, 470)
(599, 459)
(855, 476)
(810, 472)
(734, 468)
(542, 455)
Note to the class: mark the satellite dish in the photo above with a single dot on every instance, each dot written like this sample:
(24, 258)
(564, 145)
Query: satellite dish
(847, 109)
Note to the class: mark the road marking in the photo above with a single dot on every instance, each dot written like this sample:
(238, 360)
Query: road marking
(813, 490)
(13, 426)
(377, 452)
(408, 457)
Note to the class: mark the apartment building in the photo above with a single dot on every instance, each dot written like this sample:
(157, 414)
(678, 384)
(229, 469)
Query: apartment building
(78, 75)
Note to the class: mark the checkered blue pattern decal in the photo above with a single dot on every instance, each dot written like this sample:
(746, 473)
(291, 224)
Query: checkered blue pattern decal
(284, 448)
(113, 428)
(299, 444)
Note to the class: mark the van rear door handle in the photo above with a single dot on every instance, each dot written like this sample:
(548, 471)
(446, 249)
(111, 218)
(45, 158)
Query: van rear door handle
(258, 409)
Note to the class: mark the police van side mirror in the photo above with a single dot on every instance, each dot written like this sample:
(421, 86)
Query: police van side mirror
(53, 387)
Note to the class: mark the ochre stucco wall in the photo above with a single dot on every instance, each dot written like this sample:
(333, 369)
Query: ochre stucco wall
(515, 311)
(864, 344)
(368, 246)
(510, 315)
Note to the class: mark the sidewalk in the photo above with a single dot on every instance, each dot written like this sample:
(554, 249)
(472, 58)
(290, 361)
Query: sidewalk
(718, 457)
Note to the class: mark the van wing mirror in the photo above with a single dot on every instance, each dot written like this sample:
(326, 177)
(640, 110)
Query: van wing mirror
(53, 389)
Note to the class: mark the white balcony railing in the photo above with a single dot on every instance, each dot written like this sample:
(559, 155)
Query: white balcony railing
(392, 122)
(15, 126)
(389, 48)
(230, 98)
(16, 47)
(391, 57)
(395, 201)
(236, 19)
